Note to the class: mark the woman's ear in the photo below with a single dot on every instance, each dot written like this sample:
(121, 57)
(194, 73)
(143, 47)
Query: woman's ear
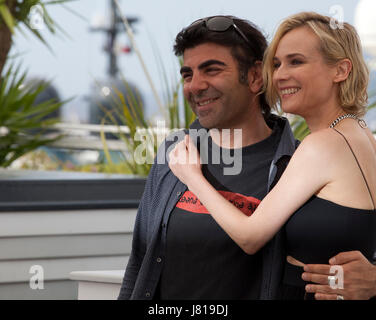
(255, 80)
(343, 69)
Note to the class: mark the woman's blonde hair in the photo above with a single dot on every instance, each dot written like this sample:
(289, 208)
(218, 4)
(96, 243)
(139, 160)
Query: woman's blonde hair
(336, 43)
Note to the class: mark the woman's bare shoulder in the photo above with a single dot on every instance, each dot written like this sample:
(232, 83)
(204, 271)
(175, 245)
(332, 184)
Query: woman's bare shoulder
(322, 144)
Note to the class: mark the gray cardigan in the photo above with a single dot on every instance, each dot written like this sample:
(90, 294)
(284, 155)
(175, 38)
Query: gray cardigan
(162, 191)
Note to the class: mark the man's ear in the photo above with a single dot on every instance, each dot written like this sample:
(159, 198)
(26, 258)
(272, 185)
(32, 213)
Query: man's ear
(255, 80)
(343, 69)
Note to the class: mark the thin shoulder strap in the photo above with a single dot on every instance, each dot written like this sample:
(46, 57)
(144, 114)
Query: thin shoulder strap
(360, 168)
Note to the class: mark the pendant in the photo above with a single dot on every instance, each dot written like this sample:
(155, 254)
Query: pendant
(362, 123)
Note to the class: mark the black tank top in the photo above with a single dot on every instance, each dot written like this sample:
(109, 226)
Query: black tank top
(321, 229)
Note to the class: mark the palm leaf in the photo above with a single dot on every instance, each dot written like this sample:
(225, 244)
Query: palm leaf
(25, 121)
(7, 17)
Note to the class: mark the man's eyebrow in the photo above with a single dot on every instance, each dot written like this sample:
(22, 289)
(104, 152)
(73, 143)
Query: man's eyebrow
(184, 69)
(211, 62)
(203, 65)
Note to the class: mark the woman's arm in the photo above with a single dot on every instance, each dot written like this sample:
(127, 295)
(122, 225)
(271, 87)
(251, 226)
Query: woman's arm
(303, 177)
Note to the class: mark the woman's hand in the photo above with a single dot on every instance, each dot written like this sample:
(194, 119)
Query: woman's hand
(185, 161)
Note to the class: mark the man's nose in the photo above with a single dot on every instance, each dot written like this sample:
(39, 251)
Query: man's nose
(198, 84)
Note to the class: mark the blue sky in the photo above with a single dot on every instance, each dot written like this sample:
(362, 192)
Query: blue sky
(79, 60)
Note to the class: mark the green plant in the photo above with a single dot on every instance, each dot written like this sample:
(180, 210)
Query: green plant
(22, 122)
(42, 160)
(141, 140)
(129, 109)
(299, 127)
(14, 13)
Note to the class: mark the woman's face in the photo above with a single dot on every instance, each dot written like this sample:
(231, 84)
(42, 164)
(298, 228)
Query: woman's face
(301, 77)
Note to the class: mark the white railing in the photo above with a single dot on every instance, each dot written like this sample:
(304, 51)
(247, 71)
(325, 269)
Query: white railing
(77, 136)
(77, 128)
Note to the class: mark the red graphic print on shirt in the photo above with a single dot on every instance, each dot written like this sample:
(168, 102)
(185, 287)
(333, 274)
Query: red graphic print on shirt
(189, 202)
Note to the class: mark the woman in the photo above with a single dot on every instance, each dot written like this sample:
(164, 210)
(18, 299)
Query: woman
(327, 194)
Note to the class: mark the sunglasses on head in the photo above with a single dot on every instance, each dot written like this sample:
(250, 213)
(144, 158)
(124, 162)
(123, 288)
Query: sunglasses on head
(219, 24)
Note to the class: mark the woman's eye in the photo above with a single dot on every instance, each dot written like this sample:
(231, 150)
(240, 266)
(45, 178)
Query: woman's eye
(276, 65)
(296, 62)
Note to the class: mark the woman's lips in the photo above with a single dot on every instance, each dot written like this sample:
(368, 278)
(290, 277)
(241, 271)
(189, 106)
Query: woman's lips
(288, 92)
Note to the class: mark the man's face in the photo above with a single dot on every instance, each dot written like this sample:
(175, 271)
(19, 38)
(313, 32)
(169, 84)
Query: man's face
(212, 87)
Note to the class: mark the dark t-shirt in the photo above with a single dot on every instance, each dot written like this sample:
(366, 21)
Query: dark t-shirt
(202, 261)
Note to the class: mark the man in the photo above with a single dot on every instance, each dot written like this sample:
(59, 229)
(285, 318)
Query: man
(178, 250)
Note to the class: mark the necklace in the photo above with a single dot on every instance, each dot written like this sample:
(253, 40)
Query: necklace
(361, 122)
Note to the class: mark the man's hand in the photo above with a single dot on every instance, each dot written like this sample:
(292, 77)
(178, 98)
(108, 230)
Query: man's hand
(359, 277)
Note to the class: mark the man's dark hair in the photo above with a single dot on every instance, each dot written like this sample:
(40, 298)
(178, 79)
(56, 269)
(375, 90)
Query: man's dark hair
(245, 53)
